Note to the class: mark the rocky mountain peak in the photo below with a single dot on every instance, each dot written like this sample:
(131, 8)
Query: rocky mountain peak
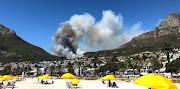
(171, 20)
(169, 26)
(6, 31)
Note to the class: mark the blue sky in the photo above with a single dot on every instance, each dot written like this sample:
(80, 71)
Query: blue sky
(36, 21)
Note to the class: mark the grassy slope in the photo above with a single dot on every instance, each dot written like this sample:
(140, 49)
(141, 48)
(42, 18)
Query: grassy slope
(24, 51)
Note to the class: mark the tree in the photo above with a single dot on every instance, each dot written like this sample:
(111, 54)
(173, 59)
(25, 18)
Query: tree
(123, 66)
(70, 67)
(155, 63)
(58, 68)
(37, 68)
(51, 69)
(174, 66)
(95, 62)
(7, 70)
(109, 66)
(45, 70)
(28, 68)
(114, 59)
(167, 49)
(137, 63)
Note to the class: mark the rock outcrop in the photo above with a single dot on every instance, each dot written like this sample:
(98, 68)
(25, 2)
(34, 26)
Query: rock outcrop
(170, 25)
(6, 31)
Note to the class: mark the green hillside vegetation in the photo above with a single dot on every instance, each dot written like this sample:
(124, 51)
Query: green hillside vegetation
(174, 66)
(15, 49)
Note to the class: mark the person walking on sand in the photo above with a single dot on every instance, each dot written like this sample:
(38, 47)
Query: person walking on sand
(109, 84)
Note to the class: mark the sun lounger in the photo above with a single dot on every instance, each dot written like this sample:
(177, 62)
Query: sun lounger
(10, 85)
(74, 87)
(67, 85)
(3, 87)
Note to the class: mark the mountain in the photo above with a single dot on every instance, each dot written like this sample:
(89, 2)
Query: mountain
(167, 32)
(15, 49)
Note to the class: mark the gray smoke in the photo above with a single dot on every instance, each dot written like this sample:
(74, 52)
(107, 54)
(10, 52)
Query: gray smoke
(108, 33)
(64, 42)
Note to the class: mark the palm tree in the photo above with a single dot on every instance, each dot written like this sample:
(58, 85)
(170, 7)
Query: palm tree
(51, 69)
(167, 49)
(156, 64)
(58, 68)
(37, 68)
(94, 62)
(45, 70)
(70, 67)
(137, 63)
(28, 68)
(78, 63)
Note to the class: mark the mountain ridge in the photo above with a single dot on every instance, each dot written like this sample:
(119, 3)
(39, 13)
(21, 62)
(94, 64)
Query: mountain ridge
(15, 49)
(167, 32)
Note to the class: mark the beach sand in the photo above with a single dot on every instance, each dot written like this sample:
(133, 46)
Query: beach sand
(86, 84)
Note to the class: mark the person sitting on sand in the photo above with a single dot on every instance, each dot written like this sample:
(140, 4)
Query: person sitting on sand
(110, 84)
(46, 82)
(42, 81)
(9, 84)
(114, 85)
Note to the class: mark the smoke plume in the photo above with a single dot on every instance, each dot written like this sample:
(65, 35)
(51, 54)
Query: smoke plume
(108, 33)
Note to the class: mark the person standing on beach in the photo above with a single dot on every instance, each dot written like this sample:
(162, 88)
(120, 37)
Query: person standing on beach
(109, 85)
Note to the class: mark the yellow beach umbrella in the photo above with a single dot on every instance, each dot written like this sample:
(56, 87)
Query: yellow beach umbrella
(104, 78)
(21, 77)
(45, 76)
(75, 81)
(67, 76)
(108, 77)
(39, 77)
(50, 77)
(7, 77)
(155, 81)
(16, 77)
(42, 77)
(1, 79)
(53, 77)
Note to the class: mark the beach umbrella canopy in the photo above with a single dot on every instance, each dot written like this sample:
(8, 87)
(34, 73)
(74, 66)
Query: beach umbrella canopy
(53, 77)
(50, 77)
(155, 81)
(67, 76)
(75, 81)
(16, 77)
(45, 76)
(1, 79)
(104, 78)
(108, 77)
(39, 77)
(21, 77)
(7, 77)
